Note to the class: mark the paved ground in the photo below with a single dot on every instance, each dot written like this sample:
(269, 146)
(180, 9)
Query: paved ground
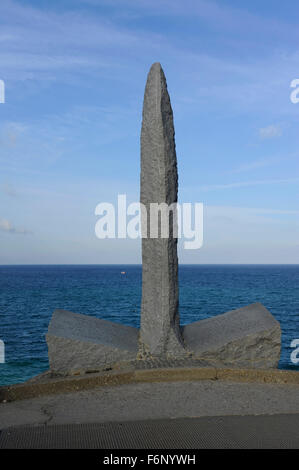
(228, 432)
(148, 401)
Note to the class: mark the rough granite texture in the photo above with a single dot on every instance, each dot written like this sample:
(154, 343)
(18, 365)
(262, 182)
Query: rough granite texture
(81, 342)
(160, 331)
(247, 337)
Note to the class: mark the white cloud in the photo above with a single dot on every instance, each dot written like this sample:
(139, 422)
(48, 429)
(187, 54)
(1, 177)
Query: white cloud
(270, 132)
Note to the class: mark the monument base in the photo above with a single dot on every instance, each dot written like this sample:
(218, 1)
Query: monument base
(249, 337)
(245, 338)
(79, 343)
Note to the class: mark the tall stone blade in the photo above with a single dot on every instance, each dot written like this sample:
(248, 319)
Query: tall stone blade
(160, 330)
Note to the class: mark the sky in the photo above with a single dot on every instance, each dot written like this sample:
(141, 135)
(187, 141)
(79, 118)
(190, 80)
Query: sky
(74, 74)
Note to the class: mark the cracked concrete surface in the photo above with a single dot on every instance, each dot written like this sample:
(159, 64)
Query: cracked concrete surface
(152, 401)
(45, 409)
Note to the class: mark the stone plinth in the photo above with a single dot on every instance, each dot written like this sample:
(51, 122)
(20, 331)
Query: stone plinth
(247, 337)
(81, 342)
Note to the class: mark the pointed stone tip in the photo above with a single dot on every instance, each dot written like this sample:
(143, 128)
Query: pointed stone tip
(156, 68)
(155, 93)
(155, 79)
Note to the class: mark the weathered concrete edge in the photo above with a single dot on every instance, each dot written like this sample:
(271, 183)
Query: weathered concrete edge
(115, 378)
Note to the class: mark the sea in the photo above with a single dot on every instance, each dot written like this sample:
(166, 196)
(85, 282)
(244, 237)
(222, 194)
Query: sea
(30, 294)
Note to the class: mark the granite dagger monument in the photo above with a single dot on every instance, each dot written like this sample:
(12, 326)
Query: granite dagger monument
(246, 337)
(160, 327)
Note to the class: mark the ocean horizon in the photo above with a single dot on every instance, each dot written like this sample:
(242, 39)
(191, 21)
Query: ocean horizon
(30, 293)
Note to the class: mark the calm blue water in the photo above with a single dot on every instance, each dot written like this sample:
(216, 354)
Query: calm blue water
(29, 294)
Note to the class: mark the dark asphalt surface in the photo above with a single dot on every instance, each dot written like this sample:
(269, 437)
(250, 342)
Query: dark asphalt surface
(218, 432)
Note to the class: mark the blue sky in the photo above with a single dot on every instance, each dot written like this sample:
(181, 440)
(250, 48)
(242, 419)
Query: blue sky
(75, 73)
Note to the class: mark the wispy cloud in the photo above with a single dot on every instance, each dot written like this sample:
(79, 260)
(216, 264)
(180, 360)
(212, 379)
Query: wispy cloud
(10, 132)
(270, 132)
(243, 184)
(8, 189)
(261, 163)
(75, 74)
(6, 226)
(52, 45)
(255, 231)
(212, 12)
(270, 161)
(37, 41)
